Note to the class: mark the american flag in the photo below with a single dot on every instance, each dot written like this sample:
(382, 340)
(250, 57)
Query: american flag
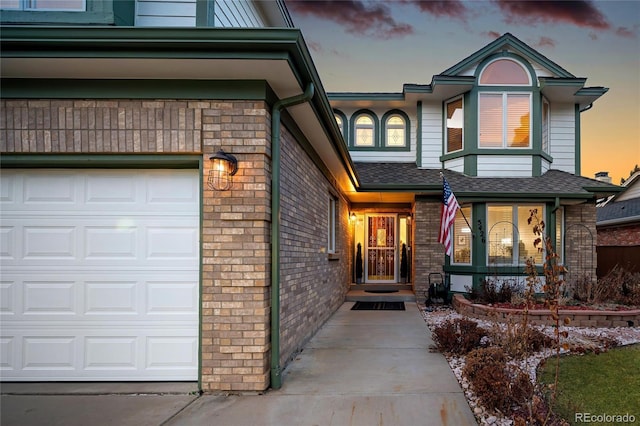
(449, 208)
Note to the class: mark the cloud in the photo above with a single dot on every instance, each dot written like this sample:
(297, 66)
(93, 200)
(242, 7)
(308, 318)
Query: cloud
(546, 42)
(451, 8)
(358, 17)
(626, 32)
(492, 34)
(581, 13)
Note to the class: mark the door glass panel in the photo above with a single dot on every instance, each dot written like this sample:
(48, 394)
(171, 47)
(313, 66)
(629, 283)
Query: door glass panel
(381, 249)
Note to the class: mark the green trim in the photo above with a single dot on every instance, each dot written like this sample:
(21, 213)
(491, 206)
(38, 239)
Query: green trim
(497, 151)
(353, 96)
(536, 165)
(275, 370)
(200, 273)
(124, 13)
(578, 136)
(352, 131)
(576, 82)
(101, 161)
(205, 13)
(419, 161)
(137, 89)
(345, 123)
(513, 57)
(100, 12)
(471, 165)
(407, 131)
(500, 44)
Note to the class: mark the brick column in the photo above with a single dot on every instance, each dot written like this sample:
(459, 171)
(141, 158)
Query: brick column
(428, 255)
(236, 256)
(580, 241)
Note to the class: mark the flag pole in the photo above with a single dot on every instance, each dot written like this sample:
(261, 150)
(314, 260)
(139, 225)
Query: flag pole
(461, 212)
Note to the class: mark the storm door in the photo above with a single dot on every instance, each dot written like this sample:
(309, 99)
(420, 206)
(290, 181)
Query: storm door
(381, 249)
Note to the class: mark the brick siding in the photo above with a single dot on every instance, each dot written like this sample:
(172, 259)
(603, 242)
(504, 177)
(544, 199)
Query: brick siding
(580, 242)
(428, 254)
(628, 235)
(236, 224)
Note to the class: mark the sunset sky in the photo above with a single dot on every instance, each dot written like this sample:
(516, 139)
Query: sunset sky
(377, 46)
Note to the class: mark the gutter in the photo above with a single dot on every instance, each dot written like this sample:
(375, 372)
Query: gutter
(275, 375)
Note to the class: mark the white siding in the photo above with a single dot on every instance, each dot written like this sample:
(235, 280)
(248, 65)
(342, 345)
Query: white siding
(237, 13)
(504, 166)
(545, 166)
(562, 137)
(632, 192)
(431, 135)
(457, 165)
(165, 13)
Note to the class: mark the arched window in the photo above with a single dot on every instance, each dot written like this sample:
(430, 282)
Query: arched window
(395, 131)
(340, 123)
(364, 131)
(505, 72)
(504, 116)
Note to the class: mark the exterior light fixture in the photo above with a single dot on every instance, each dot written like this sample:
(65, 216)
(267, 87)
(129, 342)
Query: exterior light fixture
(352, 217)
(223, 167)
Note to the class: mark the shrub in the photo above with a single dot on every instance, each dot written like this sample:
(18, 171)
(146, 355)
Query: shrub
(498, 291)
(486, 370)
(518, 340)
(458, 336)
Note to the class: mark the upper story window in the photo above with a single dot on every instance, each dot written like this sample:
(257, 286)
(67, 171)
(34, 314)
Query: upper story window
(364, 131)
(505, 120)
(395, 131)
(505, 72)
(340, 123)
(546, 120)
(504, 116)
(455, 120)
(44, 5)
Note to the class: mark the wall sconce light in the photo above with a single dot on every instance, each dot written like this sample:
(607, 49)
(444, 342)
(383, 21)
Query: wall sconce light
(352, 217)
(409, 217)
(223, 167)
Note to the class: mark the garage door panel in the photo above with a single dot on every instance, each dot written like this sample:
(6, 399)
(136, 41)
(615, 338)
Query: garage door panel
(100, 275)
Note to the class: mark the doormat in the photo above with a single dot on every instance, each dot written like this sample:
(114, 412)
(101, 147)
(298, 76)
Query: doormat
(378, 306)
(381, 291)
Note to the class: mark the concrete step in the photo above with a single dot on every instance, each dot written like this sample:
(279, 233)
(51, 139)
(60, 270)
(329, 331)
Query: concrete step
(381, 287)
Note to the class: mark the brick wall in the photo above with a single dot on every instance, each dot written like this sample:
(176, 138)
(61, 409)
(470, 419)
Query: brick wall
(312, 287)
(628, 235)
(580, 241)
(236, 224)
(428, 255)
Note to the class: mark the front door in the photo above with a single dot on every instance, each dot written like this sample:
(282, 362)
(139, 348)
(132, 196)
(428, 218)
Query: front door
(381, 249)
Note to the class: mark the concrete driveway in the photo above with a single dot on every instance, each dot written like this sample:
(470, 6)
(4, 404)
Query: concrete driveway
(361, 368)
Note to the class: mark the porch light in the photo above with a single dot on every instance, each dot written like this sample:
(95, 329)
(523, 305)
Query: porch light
(223, 167)
(352, 217)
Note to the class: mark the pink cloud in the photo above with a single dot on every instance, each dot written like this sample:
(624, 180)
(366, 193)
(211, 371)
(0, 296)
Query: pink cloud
(356, 16)
(546, 42)
(626, 32)
(581, 13)
(451, 8)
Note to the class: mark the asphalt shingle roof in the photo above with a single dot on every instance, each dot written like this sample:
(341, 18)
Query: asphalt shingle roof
(405, 176)
(619, 210)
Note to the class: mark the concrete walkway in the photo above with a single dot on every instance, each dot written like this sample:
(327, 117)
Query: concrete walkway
(361, 368)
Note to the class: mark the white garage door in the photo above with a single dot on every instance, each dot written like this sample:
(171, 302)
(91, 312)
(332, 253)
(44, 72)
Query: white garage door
(99, 277)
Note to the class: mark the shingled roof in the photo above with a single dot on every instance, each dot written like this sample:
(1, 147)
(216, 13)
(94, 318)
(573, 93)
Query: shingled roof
(408, 177)
(619, 212)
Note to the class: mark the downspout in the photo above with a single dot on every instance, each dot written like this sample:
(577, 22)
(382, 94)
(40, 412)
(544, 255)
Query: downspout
(276, 379)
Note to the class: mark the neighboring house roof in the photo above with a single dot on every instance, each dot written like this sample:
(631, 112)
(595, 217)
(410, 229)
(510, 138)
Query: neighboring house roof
(408, 177)
(618, 213)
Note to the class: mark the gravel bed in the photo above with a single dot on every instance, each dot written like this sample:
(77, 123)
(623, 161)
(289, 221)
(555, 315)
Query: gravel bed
(577, 337)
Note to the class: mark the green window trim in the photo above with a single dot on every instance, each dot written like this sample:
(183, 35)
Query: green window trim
(407, 131)
(345, 123)
(98, 12)
(352, 131)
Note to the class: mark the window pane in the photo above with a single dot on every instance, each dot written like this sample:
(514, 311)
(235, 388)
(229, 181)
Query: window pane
(364, 131)
(395, 131)
(518, 118)
(455, 119)
(500, 224)
(526, 235)
(504, 71)
(9, 4)
(490, 120)
(560, 234)
(462, 237)
(545, 126)
(76, 5)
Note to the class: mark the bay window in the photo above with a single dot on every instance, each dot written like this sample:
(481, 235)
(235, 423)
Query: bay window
(455, 120)
(505, 120)
(511, 237)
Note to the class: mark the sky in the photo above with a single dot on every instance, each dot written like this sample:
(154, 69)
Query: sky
(377, 46)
